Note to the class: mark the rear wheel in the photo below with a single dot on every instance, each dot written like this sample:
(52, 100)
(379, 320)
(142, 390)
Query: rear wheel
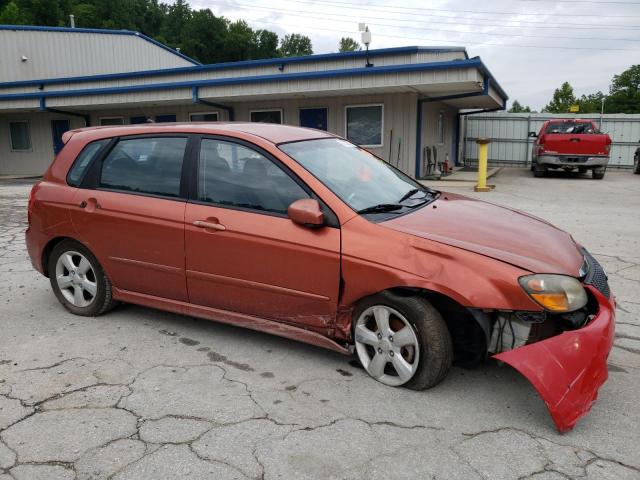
(598, 173)
(539, 170)
(402, 341)
(636, 161)
(78, 281)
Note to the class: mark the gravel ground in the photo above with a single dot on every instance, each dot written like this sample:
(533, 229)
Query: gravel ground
(143, 394)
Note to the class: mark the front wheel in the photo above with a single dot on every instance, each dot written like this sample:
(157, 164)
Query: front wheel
(78, 281)
(402, 341)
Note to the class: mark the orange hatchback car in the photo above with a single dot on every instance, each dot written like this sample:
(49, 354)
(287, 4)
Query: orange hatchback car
(300, 233)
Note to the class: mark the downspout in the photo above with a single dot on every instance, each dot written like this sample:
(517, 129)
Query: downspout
(86, 117)
(226, 108)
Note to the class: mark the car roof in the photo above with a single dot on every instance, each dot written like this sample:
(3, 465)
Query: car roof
(274, 133)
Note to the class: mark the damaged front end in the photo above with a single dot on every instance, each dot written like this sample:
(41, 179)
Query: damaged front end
(563, 355)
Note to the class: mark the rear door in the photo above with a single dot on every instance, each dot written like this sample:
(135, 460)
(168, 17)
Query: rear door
(242, 252)
(130, 212)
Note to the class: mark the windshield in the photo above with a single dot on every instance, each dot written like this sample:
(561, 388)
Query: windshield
(359, 178)
(571, 127)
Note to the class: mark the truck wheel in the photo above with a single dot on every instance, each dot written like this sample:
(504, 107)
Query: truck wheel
(636, 170)
(402, 341)
(598, 173)
(539, 171)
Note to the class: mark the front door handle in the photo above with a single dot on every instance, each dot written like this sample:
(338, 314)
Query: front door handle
(211, 225)
(91, 204)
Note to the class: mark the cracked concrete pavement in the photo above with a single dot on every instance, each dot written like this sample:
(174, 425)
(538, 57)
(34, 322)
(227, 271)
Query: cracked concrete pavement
(143, 394)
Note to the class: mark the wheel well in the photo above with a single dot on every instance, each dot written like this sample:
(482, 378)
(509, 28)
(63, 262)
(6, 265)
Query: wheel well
(46, 252)
(468, 337)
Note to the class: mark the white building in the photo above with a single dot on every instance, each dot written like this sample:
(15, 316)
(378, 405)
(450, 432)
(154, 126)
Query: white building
(405, 107)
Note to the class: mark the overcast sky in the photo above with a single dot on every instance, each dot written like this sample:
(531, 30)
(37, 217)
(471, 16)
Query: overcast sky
(530, 46)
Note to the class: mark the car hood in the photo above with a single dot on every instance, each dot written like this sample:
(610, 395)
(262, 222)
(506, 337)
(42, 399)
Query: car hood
(498, 232)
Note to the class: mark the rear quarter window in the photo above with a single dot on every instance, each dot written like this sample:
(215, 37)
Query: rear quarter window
(83, 160)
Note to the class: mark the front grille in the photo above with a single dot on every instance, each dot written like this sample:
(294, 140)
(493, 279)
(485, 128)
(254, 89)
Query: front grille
(596, 275)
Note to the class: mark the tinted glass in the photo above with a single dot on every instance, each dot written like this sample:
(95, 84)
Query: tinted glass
(235, 175)
(145, 165)
(359, 178)
(364, 125)
(20, 137)
(83, 160)
(571, 127)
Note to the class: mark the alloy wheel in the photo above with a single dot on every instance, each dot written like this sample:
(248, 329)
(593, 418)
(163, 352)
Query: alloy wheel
(387, 345)
(76, 279)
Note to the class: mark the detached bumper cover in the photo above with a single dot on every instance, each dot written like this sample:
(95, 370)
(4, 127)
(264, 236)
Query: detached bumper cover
(567, 370)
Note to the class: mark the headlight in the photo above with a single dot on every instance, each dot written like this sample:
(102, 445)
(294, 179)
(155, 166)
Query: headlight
(556, 293)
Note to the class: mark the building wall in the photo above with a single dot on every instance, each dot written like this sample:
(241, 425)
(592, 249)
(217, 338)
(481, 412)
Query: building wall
(67, 54)
(36, 160)
(399, 115)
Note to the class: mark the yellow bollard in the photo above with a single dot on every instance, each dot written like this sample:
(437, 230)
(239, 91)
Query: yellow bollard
(483, 147)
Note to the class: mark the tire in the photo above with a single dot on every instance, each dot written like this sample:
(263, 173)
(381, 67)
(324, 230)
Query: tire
(539, 171)
(636, 162)
(428, 350)
(73, 268)
(598, 173)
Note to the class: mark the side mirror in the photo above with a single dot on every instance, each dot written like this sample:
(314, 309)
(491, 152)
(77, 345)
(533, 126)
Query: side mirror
(533, 134)
(306, 212)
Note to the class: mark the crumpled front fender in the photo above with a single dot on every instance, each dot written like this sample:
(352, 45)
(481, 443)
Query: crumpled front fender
(567, 370)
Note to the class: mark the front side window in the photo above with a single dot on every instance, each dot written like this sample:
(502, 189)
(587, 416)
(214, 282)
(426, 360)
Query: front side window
(360, 179)
(364, 125)
(266, 116)
(237, 176)
(20, 135)
(145, 165)
(83, 160)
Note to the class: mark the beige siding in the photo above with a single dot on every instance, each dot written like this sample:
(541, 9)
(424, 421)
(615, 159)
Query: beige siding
(36, 160)
(67, 54)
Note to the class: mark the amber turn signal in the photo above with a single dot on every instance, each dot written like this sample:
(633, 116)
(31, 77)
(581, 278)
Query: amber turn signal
(555, 293)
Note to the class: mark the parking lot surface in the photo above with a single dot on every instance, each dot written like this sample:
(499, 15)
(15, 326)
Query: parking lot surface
(143, 394)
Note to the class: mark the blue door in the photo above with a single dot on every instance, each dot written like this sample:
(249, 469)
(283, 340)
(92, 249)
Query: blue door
(58, 127)
(313, 118)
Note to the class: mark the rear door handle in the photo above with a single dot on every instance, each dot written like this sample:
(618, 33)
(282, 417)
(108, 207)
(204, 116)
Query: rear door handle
(211, 225)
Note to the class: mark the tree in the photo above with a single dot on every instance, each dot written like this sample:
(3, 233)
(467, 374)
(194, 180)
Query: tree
(591, 103)
(516, 107)
(563, 98)
(624, 93)
(239, 42)
(265, 44)
(204, 36)
(348, 44)
(11, 15)
(295, 45)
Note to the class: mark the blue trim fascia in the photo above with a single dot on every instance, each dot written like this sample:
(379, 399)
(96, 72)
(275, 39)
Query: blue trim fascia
(227, 65)
(34, 28)
(471, 63)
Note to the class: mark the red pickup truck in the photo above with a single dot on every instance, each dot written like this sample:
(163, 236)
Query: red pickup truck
(570, 145)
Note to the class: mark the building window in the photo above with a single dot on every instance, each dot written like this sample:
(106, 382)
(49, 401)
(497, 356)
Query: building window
(364, 124)
(138, 119)
(204, 117)
(111, 121)
(145, 165)
(441, 128)
(266, 116)
(20, 135)
(165, 118)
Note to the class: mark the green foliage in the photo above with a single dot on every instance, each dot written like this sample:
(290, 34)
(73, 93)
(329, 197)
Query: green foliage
(623, 97)
(198, 33)
(516, 107)
(348, 44)
(563, 98)
(295, 45)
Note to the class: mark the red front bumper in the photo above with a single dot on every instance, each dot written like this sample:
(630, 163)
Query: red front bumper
(567, 370)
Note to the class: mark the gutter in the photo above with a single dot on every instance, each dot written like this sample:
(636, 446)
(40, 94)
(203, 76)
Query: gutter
(228, 109)
(85, 116)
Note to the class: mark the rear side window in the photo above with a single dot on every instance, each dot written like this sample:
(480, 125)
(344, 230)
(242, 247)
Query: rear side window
(83, 160)
(145, 165)
(237, 176)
